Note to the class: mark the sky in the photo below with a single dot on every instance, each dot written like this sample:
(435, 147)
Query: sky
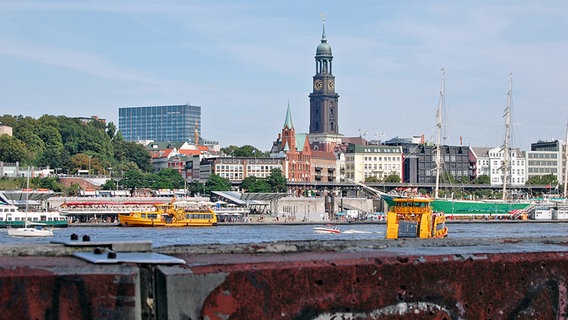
(244, 62)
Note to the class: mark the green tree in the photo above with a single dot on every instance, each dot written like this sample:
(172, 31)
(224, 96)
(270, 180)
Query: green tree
(132, 179)
(195, 187)
(53, 158)
(393, 177)
(246, 151)
(276, 180)
(247, 182)
(111, 130)
(13, 150)
(372, 179)
(260, 186)
(126, 151)
(482, 179)
(168, 179)
(230, 150)
(110, 184)
(216, 183)
(31, 140)
(548, 179)
(51, 183)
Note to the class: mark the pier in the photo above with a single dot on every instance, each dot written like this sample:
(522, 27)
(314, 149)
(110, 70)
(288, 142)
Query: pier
(524, 278)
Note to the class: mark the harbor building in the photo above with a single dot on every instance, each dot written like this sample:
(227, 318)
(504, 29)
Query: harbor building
(295, 150)
(237, 169)
(173, 123)
(481, 156)
(544, 158)
(420, 164)
(517, 171)
(372, 161)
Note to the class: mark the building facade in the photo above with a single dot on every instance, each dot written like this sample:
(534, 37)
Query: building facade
(482, 163)
(420, 164)
(546, 157)
(174, 123)
(237, 169)
(377, 161)
(517, 171)
(295, 149)
(325, 166)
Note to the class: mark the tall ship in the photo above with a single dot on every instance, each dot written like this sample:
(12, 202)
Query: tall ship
(459, 208)
(504, 206)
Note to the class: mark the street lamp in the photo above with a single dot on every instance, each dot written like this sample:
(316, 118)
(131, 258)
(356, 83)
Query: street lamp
(90, 164)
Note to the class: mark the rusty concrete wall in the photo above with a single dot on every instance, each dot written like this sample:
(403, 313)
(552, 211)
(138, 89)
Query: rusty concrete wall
(368, 285)
(67, 288)
(441, 279)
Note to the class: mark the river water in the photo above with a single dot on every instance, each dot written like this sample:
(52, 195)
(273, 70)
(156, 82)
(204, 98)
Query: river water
(234, 234)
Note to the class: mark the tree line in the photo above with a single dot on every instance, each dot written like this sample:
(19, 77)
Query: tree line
(68, 145)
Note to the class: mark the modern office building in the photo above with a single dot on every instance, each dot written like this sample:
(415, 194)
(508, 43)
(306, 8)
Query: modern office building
(546, 157)
(419, 163)
(177, 123)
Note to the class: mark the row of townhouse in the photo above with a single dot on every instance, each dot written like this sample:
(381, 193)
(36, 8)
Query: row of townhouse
(544, 158)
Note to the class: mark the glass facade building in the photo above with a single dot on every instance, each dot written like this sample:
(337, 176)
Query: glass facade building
(160, 123)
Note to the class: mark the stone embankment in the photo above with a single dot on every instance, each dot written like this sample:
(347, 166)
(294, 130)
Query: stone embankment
(524, 278)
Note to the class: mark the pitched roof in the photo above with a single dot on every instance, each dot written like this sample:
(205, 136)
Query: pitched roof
(323, 155)
(481, 151)
(188, 152)
(301, 141)
(155, 154)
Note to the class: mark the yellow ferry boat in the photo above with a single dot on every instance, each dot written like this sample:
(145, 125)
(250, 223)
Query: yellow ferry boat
(168, 215)
(414, 218)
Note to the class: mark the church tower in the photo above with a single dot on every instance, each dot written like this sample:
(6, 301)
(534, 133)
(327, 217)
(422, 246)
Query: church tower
(324, 115)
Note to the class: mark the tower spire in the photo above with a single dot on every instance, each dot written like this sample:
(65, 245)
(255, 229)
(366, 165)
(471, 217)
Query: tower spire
(288, 122)
(323, 37)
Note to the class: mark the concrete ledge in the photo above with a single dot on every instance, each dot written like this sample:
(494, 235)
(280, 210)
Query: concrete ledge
(367, 283)
(402, 279)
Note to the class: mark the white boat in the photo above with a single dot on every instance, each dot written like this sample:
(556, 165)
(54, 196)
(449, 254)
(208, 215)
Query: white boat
(327, 229)
(29, 230)
(12, 217)
(10, 214)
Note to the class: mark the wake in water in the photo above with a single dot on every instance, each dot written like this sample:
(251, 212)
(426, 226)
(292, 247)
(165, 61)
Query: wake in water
(356, 231)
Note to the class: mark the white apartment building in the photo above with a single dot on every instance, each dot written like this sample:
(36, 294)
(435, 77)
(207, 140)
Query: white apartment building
(364, 161)
(482, 165)
(236, 169)
(517, 167)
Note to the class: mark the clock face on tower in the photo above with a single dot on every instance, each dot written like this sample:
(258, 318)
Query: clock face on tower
(318, 84)
(331, 84)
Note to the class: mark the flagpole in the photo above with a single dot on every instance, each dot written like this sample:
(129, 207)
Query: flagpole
(566, 161)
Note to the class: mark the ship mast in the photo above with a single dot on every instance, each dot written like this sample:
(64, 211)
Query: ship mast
(566, 163)
(439, 133)
(507, 117)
